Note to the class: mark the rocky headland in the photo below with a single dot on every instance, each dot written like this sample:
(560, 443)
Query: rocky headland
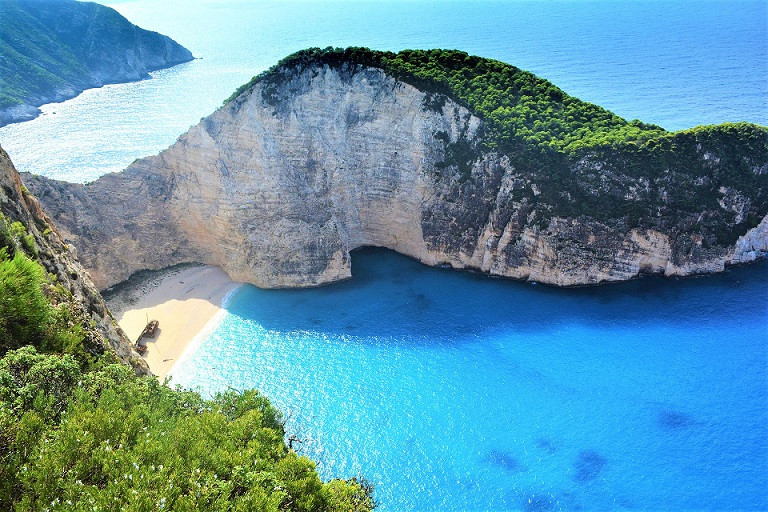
(52, 51)
(70, 286)
(447, 158)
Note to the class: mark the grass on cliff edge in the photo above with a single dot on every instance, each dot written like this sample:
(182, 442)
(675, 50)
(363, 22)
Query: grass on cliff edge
(82, 432)
(657, 179)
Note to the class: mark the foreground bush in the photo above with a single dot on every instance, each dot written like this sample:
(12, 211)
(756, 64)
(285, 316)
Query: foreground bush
(108, 440)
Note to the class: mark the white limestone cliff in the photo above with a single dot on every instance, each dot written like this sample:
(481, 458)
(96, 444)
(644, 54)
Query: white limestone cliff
(278, 194)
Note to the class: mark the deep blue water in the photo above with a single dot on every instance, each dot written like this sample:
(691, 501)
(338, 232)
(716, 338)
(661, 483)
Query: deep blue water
(676, 63)
(453, 391)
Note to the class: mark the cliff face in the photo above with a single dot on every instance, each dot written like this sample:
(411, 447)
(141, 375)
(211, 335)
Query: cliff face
(52, 51)
(102, 333)
(280, 184)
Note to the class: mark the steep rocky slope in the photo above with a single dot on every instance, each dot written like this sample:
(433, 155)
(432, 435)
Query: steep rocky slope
(53, 50)
(74, 286)
(337, 149)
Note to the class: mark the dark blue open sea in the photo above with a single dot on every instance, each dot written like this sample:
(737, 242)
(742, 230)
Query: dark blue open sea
(448, 390)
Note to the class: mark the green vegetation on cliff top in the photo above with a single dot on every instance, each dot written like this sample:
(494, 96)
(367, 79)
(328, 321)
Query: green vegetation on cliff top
(517, 106)
(585, 160)
(32, 63)
(80, 431)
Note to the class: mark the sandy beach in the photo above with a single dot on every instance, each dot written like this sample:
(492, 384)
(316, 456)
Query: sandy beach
(183, 299)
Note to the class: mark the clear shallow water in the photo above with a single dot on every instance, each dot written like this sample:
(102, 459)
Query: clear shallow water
(453, 391)
(675, 63)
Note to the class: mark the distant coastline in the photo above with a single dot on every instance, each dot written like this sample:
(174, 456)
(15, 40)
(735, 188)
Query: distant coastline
(29, 111)
(45, 61)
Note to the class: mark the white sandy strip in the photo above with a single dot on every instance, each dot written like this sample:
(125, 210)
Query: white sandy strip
(194, 343)
(186, 302)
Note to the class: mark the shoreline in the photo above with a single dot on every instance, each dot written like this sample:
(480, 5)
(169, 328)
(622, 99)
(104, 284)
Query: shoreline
(188, 302)
(23, 112)
(208, 328)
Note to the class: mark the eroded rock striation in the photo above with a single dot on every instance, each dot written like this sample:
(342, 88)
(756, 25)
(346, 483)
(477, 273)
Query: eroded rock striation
(74, 286)
(51, 51)
(320, 156)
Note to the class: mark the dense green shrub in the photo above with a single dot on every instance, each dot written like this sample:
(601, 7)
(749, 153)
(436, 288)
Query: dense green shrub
(14, 236)
(27, 314)
(107, 439)
(24, 310)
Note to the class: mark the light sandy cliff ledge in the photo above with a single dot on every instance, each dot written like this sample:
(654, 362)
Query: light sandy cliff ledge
(279, 185)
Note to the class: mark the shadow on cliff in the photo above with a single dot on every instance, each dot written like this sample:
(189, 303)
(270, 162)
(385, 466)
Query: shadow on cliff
(394, 297)
(140, 289)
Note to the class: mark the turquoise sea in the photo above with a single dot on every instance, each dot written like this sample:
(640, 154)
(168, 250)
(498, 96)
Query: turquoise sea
(454, 391)
(448, 390)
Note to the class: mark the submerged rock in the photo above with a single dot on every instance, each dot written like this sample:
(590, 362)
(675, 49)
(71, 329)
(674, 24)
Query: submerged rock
(588, 466)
